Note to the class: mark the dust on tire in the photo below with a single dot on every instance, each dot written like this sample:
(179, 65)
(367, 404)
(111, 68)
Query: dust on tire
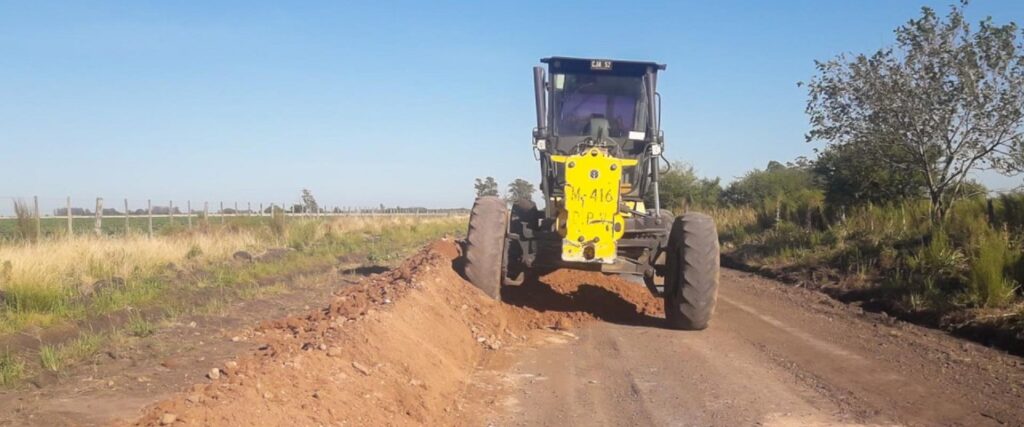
(692, 272)
(485, 244)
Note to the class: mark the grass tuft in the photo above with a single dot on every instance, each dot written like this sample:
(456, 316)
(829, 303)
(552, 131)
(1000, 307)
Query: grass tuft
(11, 369)
(138, 326)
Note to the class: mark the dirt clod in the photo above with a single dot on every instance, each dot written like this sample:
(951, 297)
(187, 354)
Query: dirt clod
(214, 374)
(562, 324)
(361, 368)
(168, 419)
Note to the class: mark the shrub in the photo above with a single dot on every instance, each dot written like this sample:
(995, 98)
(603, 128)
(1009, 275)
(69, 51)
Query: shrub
(989, 285)
(25, 221)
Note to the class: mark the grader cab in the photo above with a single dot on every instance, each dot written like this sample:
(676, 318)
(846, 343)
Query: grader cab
(599, 143)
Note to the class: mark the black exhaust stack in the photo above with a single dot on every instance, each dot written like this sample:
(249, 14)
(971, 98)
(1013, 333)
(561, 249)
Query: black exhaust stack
(652, 114)
(540, 98)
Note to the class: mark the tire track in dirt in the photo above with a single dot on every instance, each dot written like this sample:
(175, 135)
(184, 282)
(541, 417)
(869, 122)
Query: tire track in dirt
(415, 346)
(395, 349)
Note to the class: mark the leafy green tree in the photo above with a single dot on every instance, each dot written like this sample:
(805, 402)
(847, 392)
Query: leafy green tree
(851, 175)
(947, 99)
(486, 187)
(680, 188)
(309, 202)
(789, 191)
(520, 189)
(773, 183)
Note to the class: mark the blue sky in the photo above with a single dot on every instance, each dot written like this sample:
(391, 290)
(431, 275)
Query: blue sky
(387, 102)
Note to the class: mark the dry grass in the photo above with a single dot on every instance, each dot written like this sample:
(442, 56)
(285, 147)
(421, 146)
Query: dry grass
(42, 282)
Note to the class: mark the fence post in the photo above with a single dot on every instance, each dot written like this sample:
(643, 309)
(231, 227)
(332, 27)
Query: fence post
(39, 229)
(127, 219)
(261, 209)
(248, 208)
(236, 210)
(221, 212)
(189, 213)
(149, 208)
(170, 211)
(98, 227)
(71, 227)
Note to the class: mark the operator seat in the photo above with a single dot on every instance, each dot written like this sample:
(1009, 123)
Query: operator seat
(598, 126)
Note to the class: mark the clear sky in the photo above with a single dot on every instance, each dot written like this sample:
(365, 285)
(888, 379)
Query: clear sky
(387, 102)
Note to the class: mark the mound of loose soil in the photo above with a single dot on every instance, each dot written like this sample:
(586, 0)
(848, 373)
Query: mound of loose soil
(395, 349)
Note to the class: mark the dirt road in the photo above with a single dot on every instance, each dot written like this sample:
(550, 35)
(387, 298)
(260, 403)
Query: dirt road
(775, 355)
(418, 345)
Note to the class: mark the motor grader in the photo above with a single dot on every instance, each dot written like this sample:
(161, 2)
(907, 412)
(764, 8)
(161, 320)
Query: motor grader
(599, 141)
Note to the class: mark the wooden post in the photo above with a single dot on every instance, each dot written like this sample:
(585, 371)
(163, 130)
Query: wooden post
(221, 212)
(149, 208)
(97, 228)
(127, 219)
(39, 228)
(71, 227)
(170, 211)
(206, 212)
(236, 210)
(248, 209)
(261, 209)
(189, 213)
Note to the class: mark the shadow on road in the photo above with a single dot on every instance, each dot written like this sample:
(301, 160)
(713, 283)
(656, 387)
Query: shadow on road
(598, 301)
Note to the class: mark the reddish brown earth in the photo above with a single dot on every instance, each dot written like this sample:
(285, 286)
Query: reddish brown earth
(419, 346)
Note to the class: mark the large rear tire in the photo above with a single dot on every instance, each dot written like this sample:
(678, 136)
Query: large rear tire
(485, 244)
(691, 272)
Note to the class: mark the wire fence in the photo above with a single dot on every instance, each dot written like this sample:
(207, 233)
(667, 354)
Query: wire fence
(50, 216)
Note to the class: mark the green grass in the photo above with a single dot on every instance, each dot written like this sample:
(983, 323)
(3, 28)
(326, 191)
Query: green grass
(55, 358)
(49, 358)
(11, 369)
(138, 326)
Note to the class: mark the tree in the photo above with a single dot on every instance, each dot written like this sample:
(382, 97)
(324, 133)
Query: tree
(309, 202)
(791, 191)
(946, 100)
(851, 176)
(486, 187)
(776, 183)
(520, 189)
(680, 187)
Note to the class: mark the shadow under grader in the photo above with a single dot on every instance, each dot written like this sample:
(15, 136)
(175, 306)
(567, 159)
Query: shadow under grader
(365, 270)
(587, 298)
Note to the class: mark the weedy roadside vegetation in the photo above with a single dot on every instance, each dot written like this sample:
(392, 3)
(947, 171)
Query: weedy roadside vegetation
(971, 260)
(71, 279)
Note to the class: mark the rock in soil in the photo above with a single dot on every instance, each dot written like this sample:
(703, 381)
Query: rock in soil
(214, 374)
(563, 324)
(361, 368)
(168, 419)
(242, 256)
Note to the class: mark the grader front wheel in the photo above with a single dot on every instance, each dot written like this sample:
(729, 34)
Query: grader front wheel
(691, 272)
(485, 244)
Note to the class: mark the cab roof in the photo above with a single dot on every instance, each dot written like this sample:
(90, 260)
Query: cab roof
(562, 64)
